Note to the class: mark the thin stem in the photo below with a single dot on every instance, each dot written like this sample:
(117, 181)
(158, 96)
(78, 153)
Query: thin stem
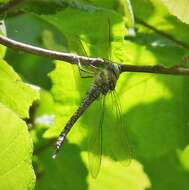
(158, 69)
(97, 62)
(162, 33)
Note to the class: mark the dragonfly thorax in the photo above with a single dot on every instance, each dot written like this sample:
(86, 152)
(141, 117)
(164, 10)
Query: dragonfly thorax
(107, 78)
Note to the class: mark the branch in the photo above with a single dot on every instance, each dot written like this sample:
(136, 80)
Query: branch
(97, 62)
(168, 36)
(68, 57)
(7, 6)
(158, 69)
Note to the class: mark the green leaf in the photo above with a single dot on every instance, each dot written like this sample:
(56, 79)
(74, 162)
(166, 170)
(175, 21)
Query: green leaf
(15, 153)
(178, 8)
(123, 7)
(33, 69)
(15, 94)
(82, 26)
(4, 1)
(184, 157)
(64, 169)
(43, 6)
(157, 16)
(127, 176)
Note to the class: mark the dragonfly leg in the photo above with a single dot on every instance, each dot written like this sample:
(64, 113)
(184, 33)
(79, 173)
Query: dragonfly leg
(82, 76)
(80, 68)
(86, 77)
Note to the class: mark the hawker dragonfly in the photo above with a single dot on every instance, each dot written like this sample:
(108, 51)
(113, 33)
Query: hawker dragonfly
(102, 87)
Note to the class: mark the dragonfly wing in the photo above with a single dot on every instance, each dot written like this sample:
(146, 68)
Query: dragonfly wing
(95, 144)
(121, 146)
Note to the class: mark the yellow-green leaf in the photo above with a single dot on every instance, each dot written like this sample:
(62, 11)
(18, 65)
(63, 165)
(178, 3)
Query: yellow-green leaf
(179, 8)
(14, 93)
(15, 153)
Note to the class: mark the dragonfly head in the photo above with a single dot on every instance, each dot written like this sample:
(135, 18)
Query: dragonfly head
(115, 69)
(107, 78)
(113, 72)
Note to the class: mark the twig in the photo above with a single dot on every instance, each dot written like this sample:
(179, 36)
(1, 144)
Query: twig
(7, 6)
(158, 69)
(68, 57)
(98, 62)
(162, 33)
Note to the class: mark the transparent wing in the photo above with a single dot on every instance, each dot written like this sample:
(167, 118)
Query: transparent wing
(75, 46)
(95, 144)
(90, 69)
(120, 146)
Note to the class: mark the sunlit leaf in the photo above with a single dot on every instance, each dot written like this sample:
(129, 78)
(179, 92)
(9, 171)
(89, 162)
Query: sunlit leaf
(179, 8)
(184, 157)
(4, 1)
(81, 26)
(157, 16)
(64, 169)
(15, 94)
(15, 153)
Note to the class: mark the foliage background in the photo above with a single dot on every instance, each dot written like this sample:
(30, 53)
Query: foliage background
(155, 108)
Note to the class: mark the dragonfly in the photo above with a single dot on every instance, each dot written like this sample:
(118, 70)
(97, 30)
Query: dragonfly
(103, 85)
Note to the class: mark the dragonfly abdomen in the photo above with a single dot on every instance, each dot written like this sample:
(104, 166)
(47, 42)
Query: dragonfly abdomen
(91, 96)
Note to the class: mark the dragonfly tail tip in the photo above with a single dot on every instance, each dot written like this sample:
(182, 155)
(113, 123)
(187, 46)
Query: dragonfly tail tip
(54, 156)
